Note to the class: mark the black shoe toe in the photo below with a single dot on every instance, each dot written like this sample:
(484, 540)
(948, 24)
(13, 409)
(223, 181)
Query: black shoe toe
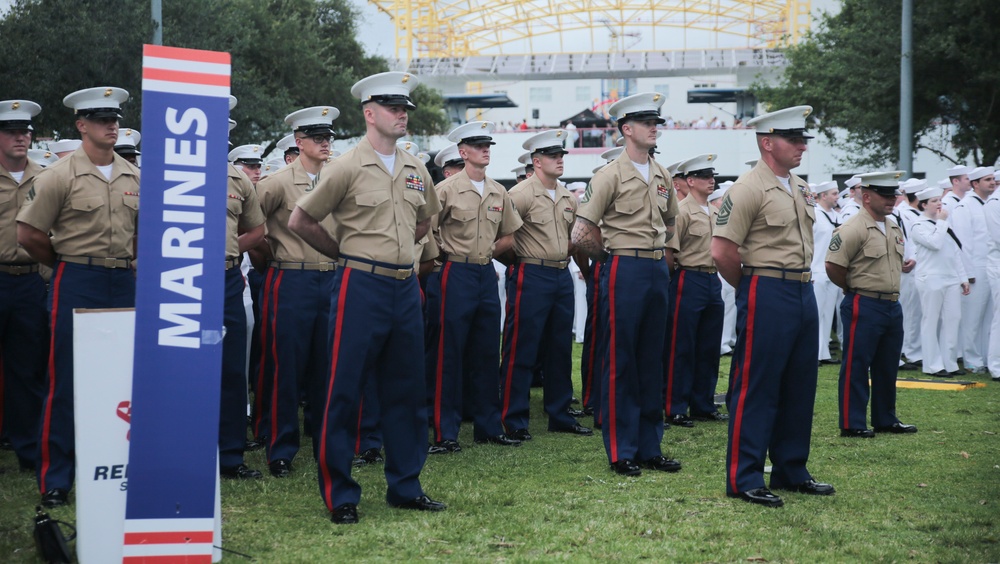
(281, 468)
(857, 433)
(575, 430)
(422, 503)
(56, 497)
(662, 463)
(346, 514)
(241, 472)
(897, 428)
(626, 467)
(501, 440)
(759, 496)
(809, 487)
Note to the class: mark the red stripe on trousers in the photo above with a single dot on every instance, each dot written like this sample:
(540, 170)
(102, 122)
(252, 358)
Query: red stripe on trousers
(673, 344)
(593, 333)
(744, 383)
(439, 368)
(847, 359)
(612, 358)
(338, 332)
(361, 410)
(509, 377)
(47, 416)
(258, 399)
(274, 355)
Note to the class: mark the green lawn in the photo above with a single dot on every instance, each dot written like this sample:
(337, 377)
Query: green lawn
(929, 497)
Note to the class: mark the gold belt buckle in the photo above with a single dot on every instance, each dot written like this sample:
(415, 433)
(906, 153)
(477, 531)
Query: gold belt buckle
(657, 254)
(325, 267)
(110, 263)
(403, 274)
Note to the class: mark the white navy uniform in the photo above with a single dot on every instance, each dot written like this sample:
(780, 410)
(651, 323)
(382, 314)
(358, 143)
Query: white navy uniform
(991, 213)
(969, 224)
(939, 275)
(909, 299)
(828, 295)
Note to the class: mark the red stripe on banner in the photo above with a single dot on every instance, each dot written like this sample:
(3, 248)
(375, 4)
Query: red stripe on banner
(509, 377)
(264, 311)
(848, 360)
(184, 77)
(593, 333)
(171, 537)
(744, 383)
(169, 559)
(439, 368)
(673, 343)
(47, 416)
(612, 358)
(338, 332)
(274, 354)
(361, 411)
(179, 53)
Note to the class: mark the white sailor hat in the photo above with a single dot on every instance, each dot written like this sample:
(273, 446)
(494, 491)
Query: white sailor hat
(996, 175)
(387, 88)
(232, 124)
(449, 157)
(844, 194)
(958, 170)
(64, 145)
(697, 164)
(882, 183)
(826, 186)
(720, 191)
(272, 166)
(525, 159)
(787, 122)
(99, 102)
(248, 154)
(232, 102)
(928, 193)
(519, 171)
(576, 186)
(751, 163)
(852, 181)
(913, 185)
(316, 120)
(287, 144)
(17, 114)
(638, 107)
(128, 142)
(547, 142)
(43, 158)
(612, 154)
(981, 172)
(473, 133)
(944, 183)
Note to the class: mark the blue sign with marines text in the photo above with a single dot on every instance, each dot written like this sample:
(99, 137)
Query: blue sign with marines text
(179, 305)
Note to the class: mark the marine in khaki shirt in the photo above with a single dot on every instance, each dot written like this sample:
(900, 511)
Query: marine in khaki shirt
(375, 213)
(548, 221)
(692, 246)
(873, 260)
(278, 195)
(13, 195)
(244, 219)
(86, 214)
(470, 223)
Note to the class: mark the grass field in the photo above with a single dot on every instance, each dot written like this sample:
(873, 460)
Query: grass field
(929, 497)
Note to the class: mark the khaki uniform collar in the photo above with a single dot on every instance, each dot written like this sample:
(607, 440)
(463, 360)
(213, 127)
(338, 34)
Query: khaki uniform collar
(82, 165)
(768, 178)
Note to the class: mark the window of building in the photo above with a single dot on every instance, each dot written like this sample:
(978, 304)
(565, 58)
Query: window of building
(582, 93)
(540, 94)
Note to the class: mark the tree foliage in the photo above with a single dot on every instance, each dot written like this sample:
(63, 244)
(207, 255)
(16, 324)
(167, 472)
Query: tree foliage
(286, 55)
(848, 70)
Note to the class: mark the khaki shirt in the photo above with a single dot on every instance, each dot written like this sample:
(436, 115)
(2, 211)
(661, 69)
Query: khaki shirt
(12, 196)
(692, 245)
(375, 213)
(874, 261)
(242, 210)
(773, 228)
(85, 214)
(425, 250)
(469, 223)
(547, 222)
(278, 194)
(634, 213)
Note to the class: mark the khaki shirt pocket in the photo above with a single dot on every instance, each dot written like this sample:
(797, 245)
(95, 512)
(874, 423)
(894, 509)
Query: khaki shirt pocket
(569, 216)
(698, 230)
(372, 199)
(628, 207)
(6, 199)
(541, 217)
(464, 216)
(414, 197)
(875, 251)
(131, 202)
(779, 218)
(87, 205)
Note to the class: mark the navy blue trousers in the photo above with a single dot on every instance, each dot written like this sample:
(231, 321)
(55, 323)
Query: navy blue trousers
(295, 350)
(464, 323)
(634, 294)
(539, 318)
(773, 383)
(691, 353)
(375, 332)
(72, 286)
(594, 342)
(233, 393)
(873, 340)
(24, 346)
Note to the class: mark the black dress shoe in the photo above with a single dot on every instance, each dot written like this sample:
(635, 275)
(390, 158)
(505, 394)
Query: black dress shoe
(588, 411)
(759, 496)
(680, 420)
(898, 428)
(55, 498)
(346, 514)
(5, 444)
(857, 433)
(909, 366)
(574, 400)
(254, 444)
(959, 372)
(520, 435)
(626, 467)
(575, 430)
(422, 503)
(501, 439)
(829, 361)
(942, 374)
(809, 487)
(370, 456)
(715, 416)
(444, 447)
(240, 472)
(662, 463)
(575, 412)
(280, 468)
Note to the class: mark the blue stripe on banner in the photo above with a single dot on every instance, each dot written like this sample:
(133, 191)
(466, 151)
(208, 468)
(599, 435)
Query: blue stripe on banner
(179, 303)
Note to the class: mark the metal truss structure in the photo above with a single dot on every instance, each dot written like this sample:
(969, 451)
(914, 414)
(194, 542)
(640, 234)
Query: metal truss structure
(465, 28)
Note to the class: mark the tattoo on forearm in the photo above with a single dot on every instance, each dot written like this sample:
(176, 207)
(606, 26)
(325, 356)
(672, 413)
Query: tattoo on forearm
(587, 238)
